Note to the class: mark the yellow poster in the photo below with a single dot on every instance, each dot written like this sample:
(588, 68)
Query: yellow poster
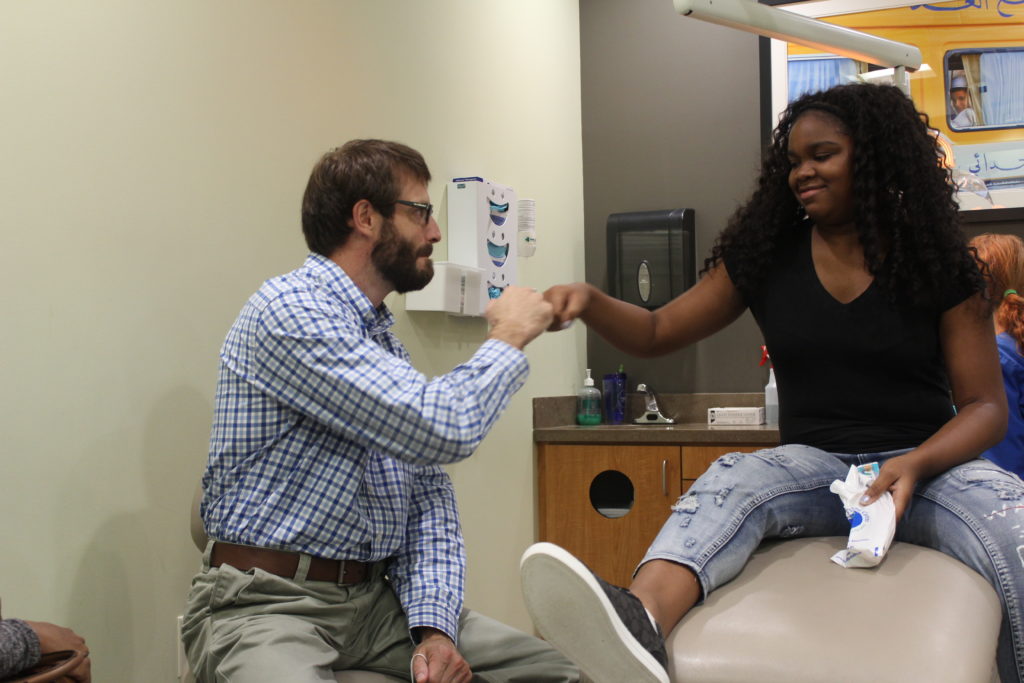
(971, 84)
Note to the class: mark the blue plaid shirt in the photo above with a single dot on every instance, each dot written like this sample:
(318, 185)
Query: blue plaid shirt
(327, 441)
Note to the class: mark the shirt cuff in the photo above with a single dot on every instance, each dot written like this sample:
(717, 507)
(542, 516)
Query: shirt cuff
(433, 616)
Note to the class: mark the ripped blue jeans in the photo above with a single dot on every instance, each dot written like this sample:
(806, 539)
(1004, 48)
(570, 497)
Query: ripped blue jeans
(973, 512)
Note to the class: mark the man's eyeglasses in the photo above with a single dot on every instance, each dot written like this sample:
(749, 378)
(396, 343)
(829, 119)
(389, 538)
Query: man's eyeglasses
(426, 210)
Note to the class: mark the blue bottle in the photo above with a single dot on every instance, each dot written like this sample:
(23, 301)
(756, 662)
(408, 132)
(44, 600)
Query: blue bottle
(615, 396)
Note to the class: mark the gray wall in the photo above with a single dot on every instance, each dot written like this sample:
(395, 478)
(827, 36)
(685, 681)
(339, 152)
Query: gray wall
(670, 119)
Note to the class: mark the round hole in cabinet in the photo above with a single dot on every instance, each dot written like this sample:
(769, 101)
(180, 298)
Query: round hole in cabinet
(611, 494)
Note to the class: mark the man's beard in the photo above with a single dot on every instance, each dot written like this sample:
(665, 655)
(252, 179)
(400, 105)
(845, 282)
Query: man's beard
(395, 260)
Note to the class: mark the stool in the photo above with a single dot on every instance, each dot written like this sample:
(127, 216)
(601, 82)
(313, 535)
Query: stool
(794, 616)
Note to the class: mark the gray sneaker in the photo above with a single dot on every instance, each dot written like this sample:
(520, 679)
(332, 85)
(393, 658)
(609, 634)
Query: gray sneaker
(604, 629)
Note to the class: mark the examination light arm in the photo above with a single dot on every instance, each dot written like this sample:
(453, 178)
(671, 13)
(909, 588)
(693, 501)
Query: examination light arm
(749, 15)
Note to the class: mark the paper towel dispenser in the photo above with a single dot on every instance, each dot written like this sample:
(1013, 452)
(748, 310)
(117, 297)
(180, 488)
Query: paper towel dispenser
(651, 257)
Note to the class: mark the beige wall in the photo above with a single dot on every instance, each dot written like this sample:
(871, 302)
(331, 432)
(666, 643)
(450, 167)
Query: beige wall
(153, 157)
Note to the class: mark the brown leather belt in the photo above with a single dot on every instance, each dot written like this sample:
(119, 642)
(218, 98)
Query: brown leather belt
(285, 563)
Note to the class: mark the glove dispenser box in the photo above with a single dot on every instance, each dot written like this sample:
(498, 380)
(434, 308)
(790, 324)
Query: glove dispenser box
(651, 255)
(455, 289)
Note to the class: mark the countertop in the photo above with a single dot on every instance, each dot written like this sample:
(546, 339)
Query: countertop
(554, 422)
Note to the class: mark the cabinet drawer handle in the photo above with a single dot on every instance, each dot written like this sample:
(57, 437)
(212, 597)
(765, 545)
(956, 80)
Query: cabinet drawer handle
(664, 477)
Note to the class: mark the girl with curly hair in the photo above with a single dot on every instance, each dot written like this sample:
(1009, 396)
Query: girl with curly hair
(850, 256)
(1003, 256)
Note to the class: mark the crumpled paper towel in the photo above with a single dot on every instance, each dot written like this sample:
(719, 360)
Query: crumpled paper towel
(872, 526)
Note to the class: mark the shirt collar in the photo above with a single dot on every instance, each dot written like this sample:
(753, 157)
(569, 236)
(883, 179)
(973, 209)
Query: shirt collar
(339, 285)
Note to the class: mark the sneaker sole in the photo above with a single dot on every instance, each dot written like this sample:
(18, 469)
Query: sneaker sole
(571, 611)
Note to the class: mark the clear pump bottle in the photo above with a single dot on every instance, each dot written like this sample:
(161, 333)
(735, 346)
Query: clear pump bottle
(771, 391)
(771, 400)
(588, 403)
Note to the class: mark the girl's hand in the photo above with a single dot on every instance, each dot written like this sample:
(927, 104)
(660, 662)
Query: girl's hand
(568, 302)
(899, 476)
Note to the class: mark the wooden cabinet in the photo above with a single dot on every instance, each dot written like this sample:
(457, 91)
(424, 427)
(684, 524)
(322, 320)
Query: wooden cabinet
(605, 502)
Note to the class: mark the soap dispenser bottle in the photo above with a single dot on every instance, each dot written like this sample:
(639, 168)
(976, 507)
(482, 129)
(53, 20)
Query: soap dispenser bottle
(771, 391)
(588, 403)
(771, 399)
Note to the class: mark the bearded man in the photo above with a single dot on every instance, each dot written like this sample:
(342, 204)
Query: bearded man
(335, 538)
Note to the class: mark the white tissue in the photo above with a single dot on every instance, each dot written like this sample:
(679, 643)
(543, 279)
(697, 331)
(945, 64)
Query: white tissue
(871, 526)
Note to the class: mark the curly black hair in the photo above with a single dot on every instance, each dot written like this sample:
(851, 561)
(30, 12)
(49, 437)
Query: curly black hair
(905, 209)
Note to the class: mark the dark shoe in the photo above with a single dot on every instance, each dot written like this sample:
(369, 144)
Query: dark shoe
(604, 629)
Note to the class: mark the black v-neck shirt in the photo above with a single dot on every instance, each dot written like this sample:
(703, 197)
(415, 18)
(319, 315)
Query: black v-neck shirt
(860, 377)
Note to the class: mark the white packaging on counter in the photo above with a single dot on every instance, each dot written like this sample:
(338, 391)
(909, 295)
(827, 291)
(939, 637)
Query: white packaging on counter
(736, 416)
(871, 526)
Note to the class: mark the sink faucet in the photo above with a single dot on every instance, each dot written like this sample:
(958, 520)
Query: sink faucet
(652, 413)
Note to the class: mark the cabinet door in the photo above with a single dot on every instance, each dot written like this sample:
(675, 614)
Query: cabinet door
(585, 506)
(696, 459)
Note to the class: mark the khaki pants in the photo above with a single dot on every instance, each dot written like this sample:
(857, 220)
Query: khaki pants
(255, 627)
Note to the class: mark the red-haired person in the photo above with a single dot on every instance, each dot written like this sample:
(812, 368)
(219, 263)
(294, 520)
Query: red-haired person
(1004, 256)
